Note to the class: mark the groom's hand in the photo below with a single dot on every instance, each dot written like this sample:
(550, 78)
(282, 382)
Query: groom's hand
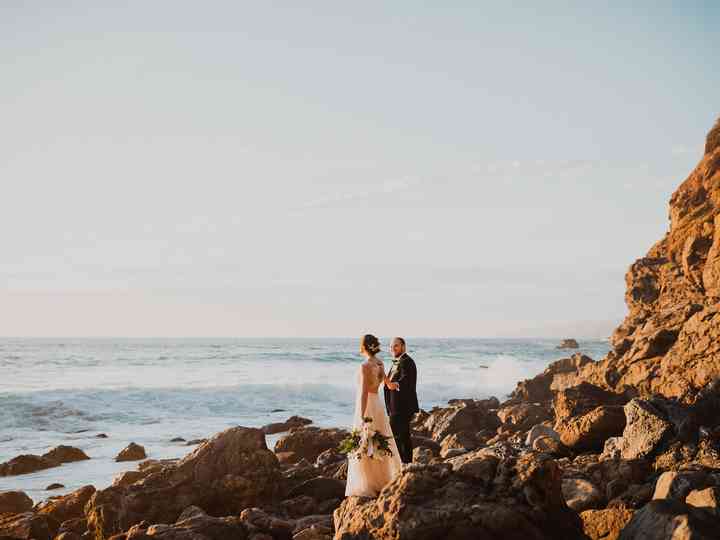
(393, 386)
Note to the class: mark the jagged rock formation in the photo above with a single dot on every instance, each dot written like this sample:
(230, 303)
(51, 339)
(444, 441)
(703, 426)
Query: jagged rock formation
(669, 343)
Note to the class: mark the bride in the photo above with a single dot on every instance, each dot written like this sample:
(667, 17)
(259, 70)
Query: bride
(366, 476)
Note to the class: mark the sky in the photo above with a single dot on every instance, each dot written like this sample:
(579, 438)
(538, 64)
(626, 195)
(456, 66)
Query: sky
(175, 168)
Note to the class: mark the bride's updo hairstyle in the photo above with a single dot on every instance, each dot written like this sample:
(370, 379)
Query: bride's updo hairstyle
(369, 344)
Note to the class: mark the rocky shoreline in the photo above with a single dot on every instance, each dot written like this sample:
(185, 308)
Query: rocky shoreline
(625, 447)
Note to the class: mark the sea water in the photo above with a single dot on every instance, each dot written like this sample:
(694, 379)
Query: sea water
(149, 391)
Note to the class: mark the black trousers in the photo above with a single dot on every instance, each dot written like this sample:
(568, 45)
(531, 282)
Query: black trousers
(400, 425)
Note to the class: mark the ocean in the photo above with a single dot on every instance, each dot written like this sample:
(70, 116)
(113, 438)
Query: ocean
(149, 391)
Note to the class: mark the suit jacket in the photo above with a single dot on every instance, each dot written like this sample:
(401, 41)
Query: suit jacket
(403, 402)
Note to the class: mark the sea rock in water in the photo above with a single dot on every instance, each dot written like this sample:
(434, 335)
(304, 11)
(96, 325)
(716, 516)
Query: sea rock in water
(524, 500)
(132, 452)
(29, 463)
(279, 427)
(568, 344)
(54, 486)
(14, 502)
(232, 471)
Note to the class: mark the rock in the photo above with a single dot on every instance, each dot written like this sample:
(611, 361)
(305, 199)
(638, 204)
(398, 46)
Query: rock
(581, 399)
(635, 496)
(540, 431)
(302, 505)
(605, 524)
(25, 464)
(612, 448)
(310, 442)
(523, 416)
(568, 344)
(279, 427)
(14, 502)
(68, 535)
(678, 484)
(666, 519)
(314, 532)
(177, 439)
(195, 442)
(644, 431)
(707, 498)
(258, 521)
(559, 375)
(328, 457)
(101, 436)
(193, 525)
(66, 507)
(130, 477)
(65, 454)
(463, 441)
(434, 502)
(463, 416)
(232, 471)
(422, 455)
(53, 486)
(552, 446)
(478, 467)
(588, 432)
(320, 489)
(132, 452)
(425, 442)
(581, 494)
(27, 526)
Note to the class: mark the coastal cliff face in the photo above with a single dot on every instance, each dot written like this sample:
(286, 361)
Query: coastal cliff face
(669, 343)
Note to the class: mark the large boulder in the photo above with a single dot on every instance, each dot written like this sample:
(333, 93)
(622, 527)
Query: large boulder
(582, 398)
(678, 484)
(559, 375)
(666, 519)
(708, 498)
(132, 452)
(193, 524)
(14, 502)
(465, 415)
(231, 471)
(29, 463)
(605, 524)
(523, 416)
(646, 427)
(523, 501)
(589, 431)
(309, 442)
(27, 526)
(66, 507)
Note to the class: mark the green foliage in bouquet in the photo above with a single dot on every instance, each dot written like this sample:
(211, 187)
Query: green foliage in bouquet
(355, 445)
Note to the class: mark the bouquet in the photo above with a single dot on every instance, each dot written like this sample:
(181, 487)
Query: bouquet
(365, 442)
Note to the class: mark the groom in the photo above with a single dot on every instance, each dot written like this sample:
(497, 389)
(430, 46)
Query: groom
(401, 398)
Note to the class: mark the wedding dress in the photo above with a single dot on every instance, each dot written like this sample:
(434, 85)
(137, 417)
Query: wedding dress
(368, 475)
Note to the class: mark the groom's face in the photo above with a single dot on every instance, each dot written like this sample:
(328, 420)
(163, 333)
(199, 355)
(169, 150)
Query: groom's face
(398, 348)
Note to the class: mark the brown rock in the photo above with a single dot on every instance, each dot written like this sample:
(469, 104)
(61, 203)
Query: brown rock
(590, 431)
(605, 524)
(66, 507)
(666, 519)
(581, 399)
(132, 452)
(467, 416)
(25, 464)
(193, 525)
(557, 376)
(581, 494)
(708, 498)
(309, 442)
(550, 445)
(27, 526)
(523, 416)
(568, 344)
(523, 501)
(14, 502)
(53, 486)
(678, 484)
(130, 477)
(279, 427)
(463, 440)
(232, 471)
(645, 429)
(65, 454)
(320, 489)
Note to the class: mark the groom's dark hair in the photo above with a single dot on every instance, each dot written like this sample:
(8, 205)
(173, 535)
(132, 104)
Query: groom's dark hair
(401, 340)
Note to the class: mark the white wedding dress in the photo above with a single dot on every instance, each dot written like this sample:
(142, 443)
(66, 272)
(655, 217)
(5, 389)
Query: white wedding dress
(368, 475)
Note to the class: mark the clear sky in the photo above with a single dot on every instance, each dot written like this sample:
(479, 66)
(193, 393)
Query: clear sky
(176, 168)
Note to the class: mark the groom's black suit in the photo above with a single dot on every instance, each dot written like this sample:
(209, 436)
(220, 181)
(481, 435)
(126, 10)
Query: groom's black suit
(402, 404)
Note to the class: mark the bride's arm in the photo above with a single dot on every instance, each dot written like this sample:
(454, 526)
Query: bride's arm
(365, 389)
